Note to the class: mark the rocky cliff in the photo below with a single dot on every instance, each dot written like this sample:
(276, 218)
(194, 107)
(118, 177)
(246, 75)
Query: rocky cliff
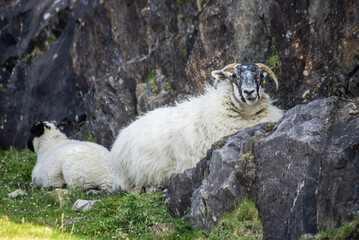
(303, 173)
(111, 60)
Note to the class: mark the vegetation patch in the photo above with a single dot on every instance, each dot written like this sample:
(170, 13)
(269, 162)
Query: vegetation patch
(271, 126)
(151, 80)
(38, 50)
(349, 231)
(181, 1)
(11, 230)
(273, 61)
(89, 136)
(242, 223)
(247, 156)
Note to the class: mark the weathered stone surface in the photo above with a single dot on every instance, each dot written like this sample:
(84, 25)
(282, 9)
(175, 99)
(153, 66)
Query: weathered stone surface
(303, 173)
(58, 196)
(16, 193)
(84, 205)
(37, 81)
(66, 58)
(160, 230)
(136, 39)
(180, 188)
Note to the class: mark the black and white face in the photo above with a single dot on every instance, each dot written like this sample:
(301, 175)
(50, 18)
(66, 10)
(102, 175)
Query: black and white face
(247, 83)
(247, 80)
(40, 129)
(37, 130)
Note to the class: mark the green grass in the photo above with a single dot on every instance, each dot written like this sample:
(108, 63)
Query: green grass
(350, 230)
(118, 216)
(242, 223)
(10, 230)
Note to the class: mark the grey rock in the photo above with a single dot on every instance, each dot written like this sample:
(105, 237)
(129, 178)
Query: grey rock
(58, 196)
(302, 173)
(160, 230)
(16, 193)
(180, 188)
(84, 205)
(137, 190)
(37, 80)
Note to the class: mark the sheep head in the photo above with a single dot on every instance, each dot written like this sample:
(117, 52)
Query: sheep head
(247, 80)
(43, 129)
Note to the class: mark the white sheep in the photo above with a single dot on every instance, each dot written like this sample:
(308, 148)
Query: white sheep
(62, 161)
(169, 140)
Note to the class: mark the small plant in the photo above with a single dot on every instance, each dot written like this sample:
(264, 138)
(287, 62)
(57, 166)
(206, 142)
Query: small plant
(52, 40)
(135, 117)
(151, 76)
(151, 80)
(271, 125)
(89, 136)
(247, 156)
(273, 61)
(26, 57)
(181, 1)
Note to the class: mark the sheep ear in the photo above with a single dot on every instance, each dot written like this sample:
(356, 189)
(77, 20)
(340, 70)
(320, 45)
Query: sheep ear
(219, 75)
(38, 129)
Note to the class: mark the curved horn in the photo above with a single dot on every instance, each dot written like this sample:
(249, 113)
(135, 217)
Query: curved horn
(269, 71)
(230, 67)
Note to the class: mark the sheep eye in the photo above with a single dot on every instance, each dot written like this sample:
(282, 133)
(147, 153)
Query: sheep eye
(234, 75)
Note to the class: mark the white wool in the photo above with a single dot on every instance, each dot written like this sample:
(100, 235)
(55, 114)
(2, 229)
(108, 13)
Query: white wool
(169, 140)
(75, 163)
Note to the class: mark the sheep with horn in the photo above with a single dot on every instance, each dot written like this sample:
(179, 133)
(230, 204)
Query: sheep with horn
(169, 140)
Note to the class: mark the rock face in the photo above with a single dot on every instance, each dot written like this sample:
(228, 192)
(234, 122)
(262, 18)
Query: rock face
(302, 173)
(37, 81)
(112, 60)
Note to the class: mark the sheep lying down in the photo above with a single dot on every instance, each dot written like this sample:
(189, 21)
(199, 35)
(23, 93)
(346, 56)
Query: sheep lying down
(169, 140)
(62, 161)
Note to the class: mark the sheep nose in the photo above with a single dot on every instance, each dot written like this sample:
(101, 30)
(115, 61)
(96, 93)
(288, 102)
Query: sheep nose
(248, 92)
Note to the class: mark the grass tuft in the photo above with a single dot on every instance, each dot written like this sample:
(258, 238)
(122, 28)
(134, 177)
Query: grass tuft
(242, 223)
